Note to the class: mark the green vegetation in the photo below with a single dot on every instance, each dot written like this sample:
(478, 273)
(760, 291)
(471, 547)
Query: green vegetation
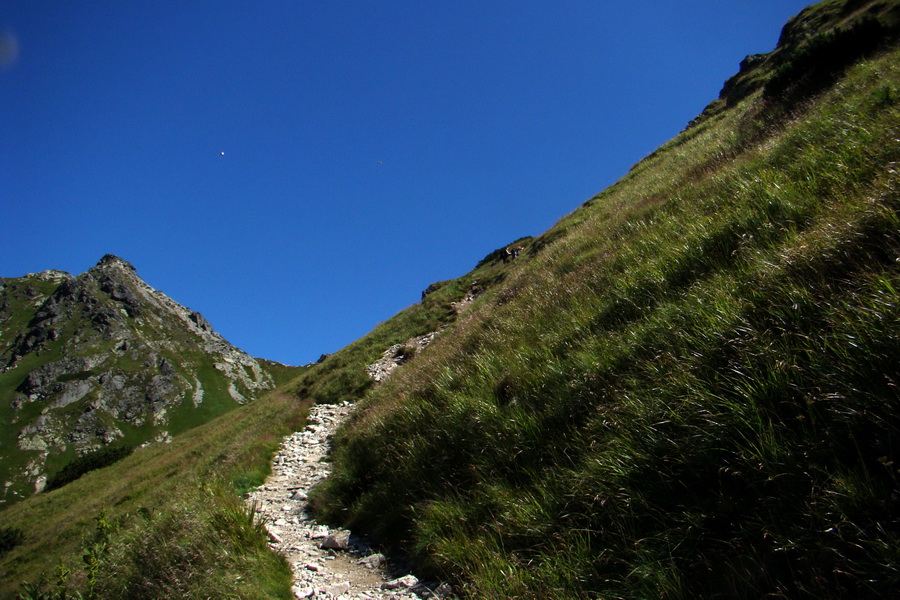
(687, 388)
(342, 377)
(822, 58)
(216, 400)
(280, 373)
(109, 362)
(499, 253)
(102, 457)
(201, 547)
(690, 391)
(178, 527)
(10, 537)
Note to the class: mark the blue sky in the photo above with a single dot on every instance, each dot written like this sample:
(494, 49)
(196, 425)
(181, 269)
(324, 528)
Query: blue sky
(370, 148)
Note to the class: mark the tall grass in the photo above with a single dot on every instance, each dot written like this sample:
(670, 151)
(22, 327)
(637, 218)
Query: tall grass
(690, 391)
(181, 527)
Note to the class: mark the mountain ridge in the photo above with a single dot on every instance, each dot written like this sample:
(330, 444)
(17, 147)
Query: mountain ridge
(686, 388)
(103, 357)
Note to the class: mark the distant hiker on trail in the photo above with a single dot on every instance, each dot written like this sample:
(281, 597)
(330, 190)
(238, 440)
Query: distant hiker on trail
(516, 251)
(507, 255)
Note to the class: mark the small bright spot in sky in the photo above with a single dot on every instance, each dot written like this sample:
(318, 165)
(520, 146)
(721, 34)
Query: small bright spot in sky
(477, 140)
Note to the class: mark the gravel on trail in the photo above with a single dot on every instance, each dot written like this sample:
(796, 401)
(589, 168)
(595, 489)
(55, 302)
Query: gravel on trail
(327, 563)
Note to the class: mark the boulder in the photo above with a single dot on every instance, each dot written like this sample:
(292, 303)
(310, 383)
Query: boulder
(405, 582)
(373, 561)
(339, 540)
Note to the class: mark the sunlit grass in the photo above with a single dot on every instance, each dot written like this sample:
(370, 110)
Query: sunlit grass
(688, 388)
(158, 496)
(671, 398)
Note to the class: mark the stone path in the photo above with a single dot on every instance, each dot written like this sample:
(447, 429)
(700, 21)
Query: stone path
(327, 563)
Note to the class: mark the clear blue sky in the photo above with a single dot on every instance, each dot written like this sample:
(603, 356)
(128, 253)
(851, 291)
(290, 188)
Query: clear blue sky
(370, 147)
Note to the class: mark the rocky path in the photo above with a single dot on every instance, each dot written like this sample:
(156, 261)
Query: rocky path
(327, 563)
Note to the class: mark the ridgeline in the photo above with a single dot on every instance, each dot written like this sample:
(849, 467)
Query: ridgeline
(686, 388)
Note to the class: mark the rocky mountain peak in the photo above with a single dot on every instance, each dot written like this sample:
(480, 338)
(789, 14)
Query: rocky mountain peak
(111, 260)
(103, 357)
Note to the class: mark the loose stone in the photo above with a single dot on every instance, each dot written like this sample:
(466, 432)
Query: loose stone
(326, 563)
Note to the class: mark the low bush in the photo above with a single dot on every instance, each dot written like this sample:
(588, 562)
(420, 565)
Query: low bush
(206, 545)
(89, 462)
(10, 537)
(822, 59)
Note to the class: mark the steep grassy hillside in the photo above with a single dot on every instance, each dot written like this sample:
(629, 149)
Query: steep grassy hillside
(169, 516)
(688, 386)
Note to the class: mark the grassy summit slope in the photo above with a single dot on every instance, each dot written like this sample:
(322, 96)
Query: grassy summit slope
(688, 386)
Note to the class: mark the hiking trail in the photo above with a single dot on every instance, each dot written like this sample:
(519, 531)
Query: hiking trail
(327, 563)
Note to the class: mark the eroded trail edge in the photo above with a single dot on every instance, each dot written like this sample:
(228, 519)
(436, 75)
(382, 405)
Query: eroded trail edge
(327, 563)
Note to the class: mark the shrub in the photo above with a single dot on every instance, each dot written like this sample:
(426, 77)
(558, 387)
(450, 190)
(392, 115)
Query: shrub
(10, 537)
(823, 58)
(89, 462)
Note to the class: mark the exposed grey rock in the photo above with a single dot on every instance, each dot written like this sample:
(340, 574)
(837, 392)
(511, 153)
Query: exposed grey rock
(111, 260)
(339, 540)
(72, 392)
(50, 275)
(407, 582)
(106, 323)
(321, 571)
(432, 288)
(198, 393)
(166, 368)
(337, 589)
(303, 591)
(200, 321)
(373, 561)
(398, 354)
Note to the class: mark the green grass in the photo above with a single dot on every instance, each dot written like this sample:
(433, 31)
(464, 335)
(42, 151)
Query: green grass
(131, 364)
(689, 391)
(687, 388)
(342, 377)
(177, 510)
(216, 400)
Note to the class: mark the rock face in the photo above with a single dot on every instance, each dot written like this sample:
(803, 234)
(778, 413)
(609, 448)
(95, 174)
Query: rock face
(89, 360)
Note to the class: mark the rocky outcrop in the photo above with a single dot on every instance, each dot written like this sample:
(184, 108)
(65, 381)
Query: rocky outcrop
(397, 355)
(104, 353)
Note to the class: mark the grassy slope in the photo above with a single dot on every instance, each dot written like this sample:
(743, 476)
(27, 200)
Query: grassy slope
(685, 388)
(25, 297)
(163, 493)
(690, 391)
(181, 531)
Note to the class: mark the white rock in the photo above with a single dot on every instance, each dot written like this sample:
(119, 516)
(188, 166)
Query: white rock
(303, 592)
(339, 540)
(407, 581)
(373, 561)
(338, 588)
(274, 536)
